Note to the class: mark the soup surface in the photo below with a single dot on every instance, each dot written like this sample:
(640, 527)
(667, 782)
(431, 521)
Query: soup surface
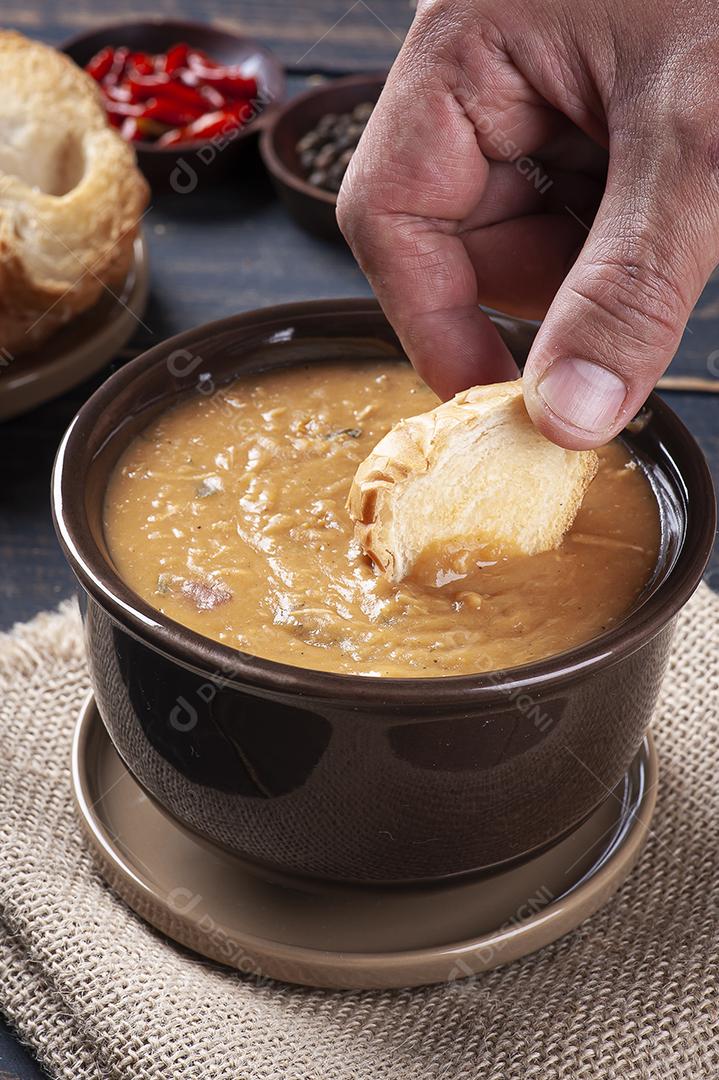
(228, 514)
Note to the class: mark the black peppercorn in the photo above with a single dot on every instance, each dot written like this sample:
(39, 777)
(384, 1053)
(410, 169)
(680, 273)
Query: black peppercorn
(325, 152)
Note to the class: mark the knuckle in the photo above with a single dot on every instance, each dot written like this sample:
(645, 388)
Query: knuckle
(346, 211)
(437, 23)
(361, 231)
(675, 120)
(642, 305)
(353, 213)
(447, 38)
(696, 138)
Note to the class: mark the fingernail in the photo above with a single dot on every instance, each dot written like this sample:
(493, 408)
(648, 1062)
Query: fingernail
(583, 394)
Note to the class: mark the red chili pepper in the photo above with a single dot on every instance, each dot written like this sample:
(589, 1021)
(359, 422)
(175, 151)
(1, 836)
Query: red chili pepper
(217, 123)
(242, 110)
(122, 108)
(174, 59)
(200, 57)
(188, 78)
(116, 93)
(183, 88)
(171, 137)
(101, 63)
(130, 129)
(228, 81)
(143, 87)
(214, 99)
(117, 70)
(142, 63)
(187, 95)
(169, 112)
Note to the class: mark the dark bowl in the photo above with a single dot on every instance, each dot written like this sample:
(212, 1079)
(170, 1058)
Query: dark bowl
(184, 167)
(344, 776)
(312, 207)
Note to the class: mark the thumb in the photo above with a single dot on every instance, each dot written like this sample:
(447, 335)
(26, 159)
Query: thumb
(619, 315)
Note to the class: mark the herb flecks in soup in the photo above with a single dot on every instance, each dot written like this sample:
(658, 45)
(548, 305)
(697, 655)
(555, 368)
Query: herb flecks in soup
(228, 514)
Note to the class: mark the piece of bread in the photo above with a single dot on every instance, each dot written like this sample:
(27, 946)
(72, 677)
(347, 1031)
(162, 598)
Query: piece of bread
(472, 476)
(70, 193)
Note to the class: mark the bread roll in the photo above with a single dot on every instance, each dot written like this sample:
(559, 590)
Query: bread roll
(70, 193)
(473, 475)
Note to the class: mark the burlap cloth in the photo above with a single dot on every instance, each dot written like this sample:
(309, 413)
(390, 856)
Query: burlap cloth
(633, 993)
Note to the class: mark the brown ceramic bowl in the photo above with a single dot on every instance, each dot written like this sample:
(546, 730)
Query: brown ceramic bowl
(312, 207)
(342, 776)
(182, 168)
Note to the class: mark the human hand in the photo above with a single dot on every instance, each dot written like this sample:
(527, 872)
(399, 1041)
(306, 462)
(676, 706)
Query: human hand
(504, 127)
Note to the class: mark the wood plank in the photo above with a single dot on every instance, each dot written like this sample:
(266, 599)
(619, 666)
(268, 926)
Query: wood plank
(349, 35)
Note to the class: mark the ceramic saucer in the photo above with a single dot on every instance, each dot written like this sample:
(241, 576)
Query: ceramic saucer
(79, 349)
(339, 936)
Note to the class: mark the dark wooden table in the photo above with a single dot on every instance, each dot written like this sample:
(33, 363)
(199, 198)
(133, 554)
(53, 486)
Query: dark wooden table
(220, 251)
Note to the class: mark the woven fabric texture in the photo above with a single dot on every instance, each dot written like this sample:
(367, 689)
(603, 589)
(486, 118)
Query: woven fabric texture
(633, 994)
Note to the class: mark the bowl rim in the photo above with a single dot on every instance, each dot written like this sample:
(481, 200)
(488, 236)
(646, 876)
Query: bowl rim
(205, 656)
(268, 151)
(259, 123)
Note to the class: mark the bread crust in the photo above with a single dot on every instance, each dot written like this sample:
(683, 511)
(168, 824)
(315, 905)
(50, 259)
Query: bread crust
(70, 194)
(458, 439)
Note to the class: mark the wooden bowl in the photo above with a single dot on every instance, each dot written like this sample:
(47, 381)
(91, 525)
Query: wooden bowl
(185, 167)
(311, 206)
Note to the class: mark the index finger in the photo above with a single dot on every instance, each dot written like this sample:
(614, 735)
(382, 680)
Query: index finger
(418, 172)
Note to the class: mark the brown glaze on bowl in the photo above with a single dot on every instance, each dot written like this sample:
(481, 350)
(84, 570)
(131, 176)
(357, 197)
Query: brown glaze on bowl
(311, 206)
(182, 168)
(348, 777)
